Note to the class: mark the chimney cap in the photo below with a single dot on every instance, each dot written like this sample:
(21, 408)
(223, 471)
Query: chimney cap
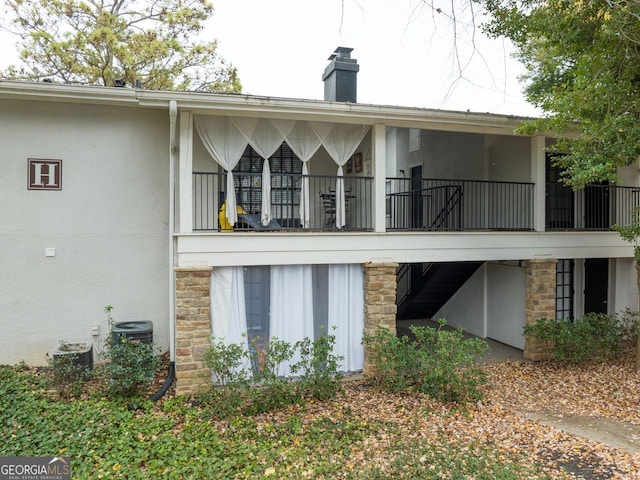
(341, 52)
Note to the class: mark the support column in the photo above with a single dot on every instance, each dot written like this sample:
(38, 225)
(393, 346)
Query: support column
(379, 300)
(185, 173)
(540, 303)
(379, 177)
(193, 328)
(538, 177)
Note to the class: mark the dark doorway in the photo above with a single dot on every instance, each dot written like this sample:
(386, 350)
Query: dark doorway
(596, 285)
(417, 207)
(559, 199)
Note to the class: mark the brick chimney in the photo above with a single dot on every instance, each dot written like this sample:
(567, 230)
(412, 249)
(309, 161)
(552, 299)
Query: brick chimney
(340, 77)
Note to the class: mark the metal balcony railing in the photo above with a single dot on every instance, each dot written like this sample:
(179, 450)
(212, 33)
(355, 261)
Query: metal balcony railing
(209, 193)
(596, 207)
(458, 205)
(411, 204)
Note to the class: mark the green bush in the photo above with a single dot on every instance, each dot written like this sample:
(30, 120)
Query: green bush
(270, 389)
(129, 365)
(594, 337)
(318, 368)
(65, 374)
(250, 381)
(437, 361)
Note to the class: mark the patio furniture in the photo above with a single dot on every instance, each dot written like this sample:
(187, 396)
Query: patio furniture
(329, 205)
(253, 221)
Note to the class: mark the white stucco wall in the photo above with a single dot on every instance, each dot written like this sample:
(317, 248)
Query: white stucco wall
(508, 158)
(108, 224)
(625, 286)
(506, 297)
(452, 155)
(490, 304)
(466, 308)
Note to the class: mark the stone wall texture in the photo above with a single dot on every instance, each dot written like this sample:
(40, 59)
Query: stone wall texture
(540, 303)
(193, 328)
(379, 301)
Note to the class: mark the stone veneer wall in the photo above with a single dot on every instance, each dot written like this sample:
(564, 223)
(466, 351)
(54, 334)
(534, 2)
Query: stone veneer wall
(193, 327)
(540, 303)
(380, 308)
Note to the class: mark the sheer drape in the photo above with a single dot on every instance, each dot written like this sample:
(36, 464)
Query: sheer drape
(291, 313)
(226, 139)
(228, 314)
(265, 139)
(226, 144)
(305, 143)
(340, 141)
(346, 314)
(300, 302)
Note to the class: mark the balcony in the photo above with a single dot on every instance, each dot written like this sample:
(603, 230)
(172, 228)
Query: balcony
(287, 196)
(594, 208)
(458, 205)
(411, 205)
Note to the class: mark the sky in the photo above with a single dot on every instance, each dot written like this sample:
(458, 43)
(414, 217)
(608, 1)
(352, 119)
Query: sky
(404, 48)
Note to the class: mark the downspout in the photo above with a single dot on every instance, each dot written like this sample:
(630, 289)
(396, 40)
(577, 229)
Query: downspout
(173, 113)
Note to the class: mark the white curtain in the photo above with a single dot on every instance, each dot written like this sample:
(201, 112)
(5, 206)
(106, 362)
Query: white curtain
(291, 312)
(305, 143)
(340, 141)
(265, 139)
(228, 313)
(346, 314)
(226, 144)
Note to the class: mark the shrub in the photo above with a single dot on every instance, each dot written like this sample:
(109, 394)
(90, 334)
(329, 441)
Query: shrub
(129, 365)
(594, 337)
(66, 374)
(270, 389)
(250, 380)
(437, 361)
(318, 368)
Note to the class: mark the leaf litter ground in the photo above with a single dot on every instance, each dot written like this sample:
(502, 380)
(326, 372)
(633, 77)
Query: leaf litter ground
(411, 427)
(502, 422)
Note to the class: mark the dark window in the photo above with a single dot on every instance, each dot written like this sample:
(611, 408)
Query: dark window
(564, 290)
(286, 170)
(257, 290)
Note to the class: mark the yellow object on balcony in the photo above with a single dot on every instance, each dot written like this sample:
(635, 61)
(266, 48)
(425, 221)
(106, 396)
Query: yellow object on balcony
(225, 226)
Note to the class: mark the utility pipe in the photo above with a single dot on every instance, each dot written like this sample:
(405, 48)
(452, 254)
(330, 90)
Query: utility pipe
(173, 113)
(171, 374)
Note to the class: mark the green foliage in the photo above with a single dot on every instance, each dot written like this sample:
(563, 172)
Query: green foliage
(129, 365)
(318, 368)
(66, 374)
(631, 232)
(170, 439)
(154, 42)
(436, 361)
(581, 59)
(595, 337)
(250, 381)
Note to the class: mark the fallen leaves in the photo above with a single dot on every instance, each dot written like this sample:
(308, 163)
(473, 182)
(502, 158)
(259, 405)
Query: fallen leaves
(498, 422)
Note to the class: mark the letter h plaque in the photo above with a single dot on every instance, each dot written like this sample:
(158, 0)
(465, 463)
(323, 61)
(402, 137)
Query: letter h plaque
(45, 174)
